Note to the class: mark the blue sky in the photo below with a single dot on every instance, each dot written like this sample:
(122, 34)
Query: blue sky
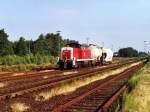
(117, 23)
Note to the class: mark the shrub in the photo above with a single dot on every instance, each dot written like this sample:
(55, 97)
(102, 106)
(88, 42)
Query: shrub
(148, 58)
(22, 68)
(6, 68)
(28, 59)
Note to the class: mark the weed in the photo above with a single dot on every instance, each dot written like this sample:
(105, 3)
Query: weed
(19, 107)
(138, 99)
(2, 84)
(28, 60)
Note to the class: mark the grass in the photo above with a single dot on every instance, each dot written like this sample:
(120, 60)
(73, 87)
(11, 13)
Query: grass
(45, 77)
(2, 84)
(139, 99)
(68, 73)
(19, 107)
(67, 87)
(27, 59)
(122, 58)
(135, 80)
(24, 63)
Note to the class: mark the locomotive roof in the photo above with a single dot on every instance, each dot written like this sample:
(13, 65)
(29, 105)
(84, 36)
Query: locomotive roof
(74, 45)
(77, 45)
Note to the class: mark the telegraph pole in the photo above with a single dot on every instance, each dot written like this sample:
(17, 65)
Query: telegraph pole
(87, 40)
(29, 47)
(112, 47)
(102, 44)
(145, 46)
(58, 32)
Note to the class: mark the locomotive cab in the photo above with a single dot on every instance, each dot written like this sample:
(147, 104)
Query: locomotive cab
(66, 56)
(65, 60)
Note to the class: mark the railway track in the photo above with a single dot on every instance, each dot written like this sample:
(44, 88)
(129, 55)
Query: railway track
(23, 75)
(11, 92)
(101, 96)
(30, 78)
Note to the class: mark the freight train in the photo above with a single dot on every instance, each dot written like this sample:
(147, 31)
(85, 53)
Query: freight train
(75, 55)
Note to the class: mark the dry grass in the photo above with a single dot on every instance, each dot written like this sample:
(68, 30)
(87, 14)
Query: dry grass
(19, 107)
(17, 74)
(44, 71)
(45, 77)
(68, 73)
(67, 87)
(139, 99)
(3, 84)
(98, 67)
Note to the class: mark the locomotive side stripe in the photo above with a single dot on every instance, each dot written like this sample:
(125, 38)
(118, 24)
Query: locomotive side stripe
(85, 59)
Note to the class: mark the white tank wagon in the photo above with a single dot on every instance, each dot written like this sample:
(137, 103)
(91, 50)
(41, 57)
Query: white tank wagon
(96, 53)
(107, 55)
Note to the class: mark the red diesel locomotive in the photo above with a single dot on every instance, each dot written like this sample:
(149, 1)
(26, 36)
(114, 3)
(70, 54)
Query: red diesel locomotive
(74, 55)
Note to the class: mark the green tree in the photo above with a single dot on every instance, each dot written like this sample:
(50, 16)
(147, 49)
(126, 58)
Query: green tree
(49, 44)
(142, 54)
(67, 41)
(41, 46)
(54, 42)
(21, 47)
(30, 45)
(128, 52)
(6, 47)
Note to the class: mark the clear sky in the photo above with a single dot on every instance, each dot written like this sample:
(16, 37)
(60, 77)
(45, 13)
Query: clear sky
(117, 23)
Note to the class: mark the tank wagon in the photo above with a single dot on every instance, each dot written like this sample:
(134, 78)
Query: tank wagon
(76, 55)
(107, 55)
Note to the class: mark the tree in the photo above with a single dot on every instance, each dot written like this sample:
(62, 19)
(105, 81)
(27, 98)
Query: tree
(128, 52)
(41, 46)
(21, 47)
(142, 54)
(5, 45)
(49, 44)
(54, 42)
(30, 45)
(67, 41)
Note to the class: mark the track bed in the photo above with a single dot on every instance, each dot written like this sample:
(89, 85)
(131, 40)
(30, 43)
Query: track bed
(90, 100)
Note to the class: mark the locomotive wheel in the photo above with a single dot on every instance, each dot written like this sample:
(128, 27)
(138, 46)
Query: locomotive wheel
(76, 65)
(69, 65)
(89, 63)
(93, 63)
(61, 65)
(79, 64)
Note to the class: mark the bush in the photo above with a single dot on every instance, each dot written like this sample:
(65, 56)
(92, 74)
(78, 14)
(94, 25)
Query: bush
(6, 68)
(128, 52)
(22, 68)
(28, 59)
(148, 58)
